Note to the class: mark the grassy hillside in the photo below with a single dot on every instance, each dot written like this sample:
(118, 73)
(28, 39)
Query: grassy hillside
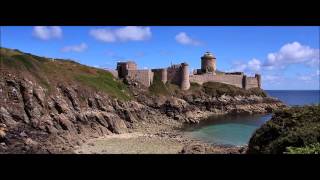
(49, 73)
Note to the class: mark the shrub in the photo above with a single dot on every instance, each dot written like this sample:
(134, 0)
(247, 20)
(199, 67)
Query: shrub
(296, 127)
(311, 149)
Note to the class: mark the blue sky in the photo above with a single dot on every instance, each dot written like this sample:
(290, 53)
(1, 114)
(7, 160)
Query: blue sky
(287, 57)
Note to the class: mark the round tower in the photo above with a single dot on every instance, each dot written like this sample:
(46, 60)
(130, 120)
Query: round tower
(185, 82)
(208, 63)
(164, 75)
(258, 76)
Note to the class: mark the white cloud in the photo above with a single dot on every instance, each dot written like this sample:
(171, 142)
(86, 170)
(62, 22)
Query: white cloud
(293, 53)
(104, 35)
(75, 48)
(133, 33)
(184, 39)
(47, 32)
(128, 33)
(253, 66)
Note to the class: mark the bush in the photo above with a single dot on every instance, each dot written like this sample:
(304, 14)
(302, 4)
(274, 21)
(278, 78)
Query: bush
(311, 149)
(296, 127)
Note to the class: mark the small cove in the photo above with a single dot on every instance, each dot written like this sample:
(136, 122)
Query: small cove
(236, 130)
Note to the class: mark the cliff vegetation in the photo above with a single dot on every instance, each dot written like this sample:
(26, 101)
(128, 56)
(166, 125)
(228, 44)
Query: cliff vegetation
(293, 130)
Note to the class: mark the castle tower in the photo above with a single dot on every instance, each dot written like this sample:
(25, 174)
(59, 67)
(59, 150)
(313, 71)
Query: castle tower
(208, 63)
(164, 75)
(244, 82)
(258, 76)
(124, 67)
(185, 82)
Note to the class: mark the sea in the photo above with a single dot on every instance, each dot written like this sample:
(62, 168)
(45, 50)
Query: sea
(236, 130)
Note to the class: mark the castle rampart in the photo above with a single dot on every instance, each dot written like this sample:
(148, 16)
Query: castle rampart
(144, 76)
(179, 74)
(235, 80)
(162, 73)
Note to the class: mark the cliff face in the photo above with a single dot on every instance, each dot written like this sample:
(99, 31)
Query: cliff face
(50, 107)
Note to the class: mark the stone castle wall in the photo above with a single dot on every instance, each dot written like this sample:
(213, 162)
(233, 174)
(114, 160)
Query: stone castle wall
(174, 75)
(144, 76)
(235, 80)
(252, 82)
(179, 74)
(162, 73)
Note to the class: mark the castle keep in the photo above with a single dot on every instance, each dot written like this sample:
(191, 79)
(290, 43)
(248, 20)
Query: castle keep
(179, 74)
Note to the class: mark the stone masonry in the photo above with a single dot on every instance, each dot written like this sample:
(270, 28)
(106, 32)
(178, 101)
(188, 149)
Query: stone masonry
(179, 74)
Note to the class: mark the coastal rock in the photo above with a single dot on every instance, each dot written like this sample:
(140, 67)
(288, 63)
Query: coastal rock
(71, 95)
(115, 124)
(193, 149)
(6, 118)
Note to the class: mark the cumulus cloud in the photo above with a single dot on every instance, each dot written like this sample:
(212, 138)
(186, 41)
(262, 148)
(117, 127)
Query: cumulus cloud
(47, 32)
(184, 39)
(75, 48)
(252, 66)
(292, 53)
(128, 33)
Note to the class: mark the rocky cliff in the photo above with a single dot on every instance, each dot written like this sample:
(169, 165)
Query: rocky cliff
(51, 106)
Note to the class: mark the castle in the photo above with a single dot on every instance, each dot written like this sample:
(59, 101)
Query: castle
(179, 74)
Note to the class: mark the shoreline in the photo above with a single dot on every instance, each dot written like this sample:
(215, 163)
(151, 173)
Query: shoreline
(167, 139)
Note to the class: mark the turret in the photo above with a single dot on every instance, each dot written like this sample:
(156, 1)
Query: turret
(164, 75)
(258, 76)
(185, 82)
(244, 82)
(208, 63)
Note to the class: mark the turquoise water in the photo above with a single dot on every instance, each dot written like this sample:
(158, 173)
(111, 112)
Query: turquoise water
(227, 129)
(237, 130)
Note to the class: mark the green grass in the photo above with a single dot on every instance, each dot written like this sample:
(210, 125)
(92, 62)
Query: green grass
(218, 89)
(310, 149)
(158, 87)
(104, 81)
(51, 73)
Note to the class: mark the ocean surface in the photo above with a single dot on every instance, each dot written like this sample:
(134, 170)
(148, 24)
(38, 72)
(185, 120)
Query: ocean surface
(237, 129)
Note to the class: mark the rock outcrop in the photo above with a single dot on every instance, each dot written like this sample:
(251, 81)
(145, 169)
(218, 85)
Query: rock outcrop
(34, 120)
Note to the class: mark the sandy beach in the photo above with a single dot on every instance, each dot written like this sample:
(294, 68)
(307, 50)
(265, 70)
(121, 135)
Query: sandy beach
(151, 139)
(132, 143)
